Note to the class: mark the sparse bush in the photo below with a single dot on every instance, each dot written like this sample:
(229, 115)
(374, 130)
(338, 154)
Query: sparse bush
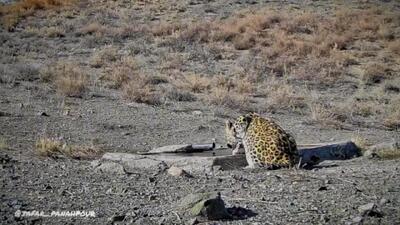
(180, 96)
(138, 90)
(394, 46)
(92, 28)
(68, 78)
(282, 95)
(11, 14)
(49, 147)
(230, 99)
(105, 56)
(71, 81)
(120, 72)
(194, 83)
(3, 143)
(392, 120)
(243, 42)
(375, 73)
(164, 29)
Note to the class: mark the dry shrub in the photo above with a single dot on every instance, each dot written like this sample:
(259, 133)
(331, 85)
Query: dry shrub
(11, 14)
(104, 57)
(375, 73)
(139, 90)
(53, 32)
(179, 95)
(193, 83)
(120, 72)
(244, 86)
(392, 120)
(388, 154)
(394, 46)
(244, 42)
(71, 80)
(92, 28)
(230, 99)
(164, 29)
(68, 78)
(49, 147)
(3, 143)
(196, 32)
(324, 113)
(282, 95)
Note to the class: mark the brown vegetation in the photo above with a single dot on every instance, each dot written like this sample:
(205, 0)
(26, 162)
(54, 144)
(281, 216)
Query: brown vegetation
(13, 13)
(49, 147)
(68, 78)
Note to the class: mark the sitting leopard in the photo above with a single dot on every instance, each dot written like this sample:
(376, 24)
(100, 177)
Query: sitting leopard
(265, 143)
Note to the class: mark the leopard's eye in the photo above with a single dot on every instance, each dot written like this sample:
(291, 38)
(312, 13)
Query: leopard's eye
(229, 145)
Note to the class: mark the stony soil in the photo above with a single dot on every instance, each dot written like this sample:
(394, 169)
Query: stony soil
(31, 109)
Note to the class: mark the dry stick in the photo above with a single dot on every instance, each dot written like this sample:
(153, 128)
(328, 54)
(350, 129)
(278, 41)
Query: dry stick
(250, 200)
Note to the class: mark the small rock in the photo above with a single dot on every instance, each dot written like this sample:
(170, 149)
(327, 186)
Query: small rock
(111, 167)
(370, 209)
(116, 218)
(42, 114)
(197, 113)
(323, 188)
(358, 219)
(177, 172)
(383, 201)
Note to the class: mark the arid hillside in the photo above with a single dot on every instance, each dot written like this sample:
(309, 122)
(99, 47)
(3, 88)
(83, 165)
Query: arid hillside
(80, 78)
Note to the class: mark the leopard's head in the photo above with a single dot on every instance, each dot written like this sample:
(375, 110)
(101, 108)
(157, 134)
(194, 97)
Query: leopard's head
(235, 131)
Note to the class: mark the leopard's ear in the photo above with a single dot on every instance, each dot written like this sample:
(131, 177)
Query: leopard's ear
(248, 118)
(228, 124)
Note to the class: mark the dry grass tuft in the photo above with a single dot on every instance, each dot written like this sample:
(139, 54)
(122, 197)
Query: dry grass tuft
(71, 81)
(230, 99)
(104, 57)
(68, 78)
(282, 95)
(394, 46)
(11, 14)
(48, 147)
(94, 28)
(375, 73)
(141, 91)
(120, 72)
(193, 83)
(392, 120)
(3, 143)
(164, 29)
(389, 154)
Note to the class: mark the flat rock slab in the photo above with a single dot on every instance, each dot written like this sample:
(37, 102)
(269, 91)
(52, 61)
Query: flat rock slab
(192, 164)
(207, 161)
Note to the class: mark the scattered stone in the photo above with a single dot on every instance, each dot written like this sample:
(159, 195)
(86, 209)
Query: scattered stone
(322, 188)
(383, 201)
(207, 205)
(177, 172)
(357, 219)
(370, 209)
(116, 218)
(5, 114)
(197, 112)
(42, 114)
(111, 167)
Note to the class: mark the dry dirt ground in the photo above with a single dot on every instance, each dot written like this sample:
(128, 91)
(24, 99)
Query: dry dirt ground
(128, 76)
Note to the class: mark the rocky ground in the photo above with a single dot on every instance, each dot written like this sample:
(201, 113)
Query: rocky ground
(90, 43)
